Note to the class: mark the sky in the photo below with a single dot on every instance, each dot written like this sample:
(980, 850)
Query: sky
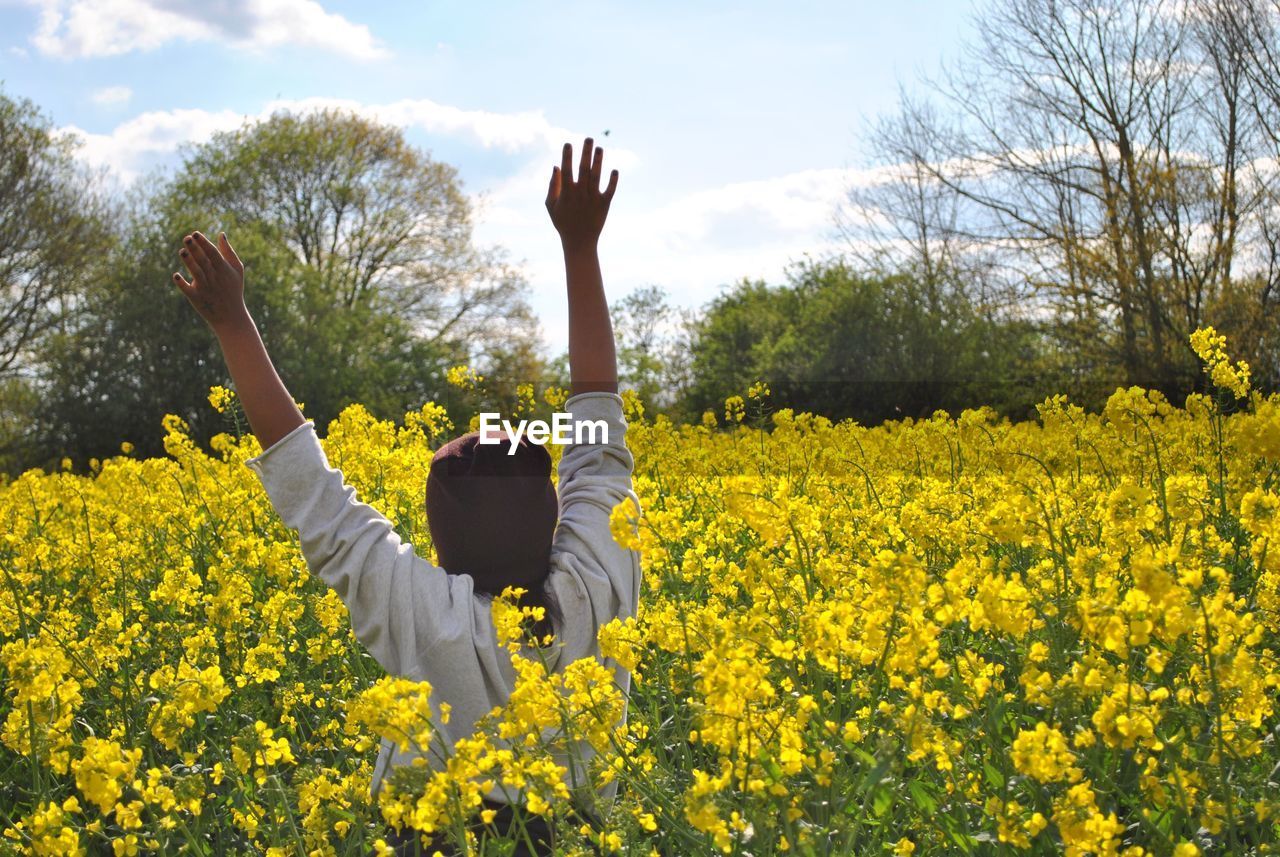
(736, 128)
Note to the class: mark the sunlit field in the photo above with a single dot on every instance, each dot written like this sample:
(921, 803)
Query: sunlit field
(958, 635)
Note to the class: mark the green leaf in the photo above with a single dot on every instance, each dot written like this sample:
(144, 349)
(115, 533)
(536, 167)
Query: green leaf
(964, 841)
(882, 801)
(923, 798)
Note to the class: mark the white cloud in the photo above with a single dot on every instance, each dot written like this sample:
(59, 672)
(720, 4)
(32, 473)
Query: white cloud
(799, 202)
(692, 244)
(140, 142)
(134, 145)
(740, 218)
(72, 29)
(147, 138)
(510, 132)
(112, 95)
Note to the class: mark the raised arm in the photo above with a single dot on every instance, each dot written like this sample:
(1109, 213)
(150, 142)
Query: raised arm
(402, 607)
(216, 291)
(601, 579)
(578, 210)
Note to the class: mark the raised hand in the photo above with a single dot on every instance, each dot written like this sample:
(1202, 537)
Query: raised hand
(216, 291)
(578, 208)
(216, 288)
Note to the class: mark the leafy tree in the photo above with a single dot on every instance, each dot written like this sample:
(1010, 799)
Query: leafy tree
(53, 228)
(360, 272)
(869, 347)
(379, 221)
(654, 351)
(641, 322)
(732, 340)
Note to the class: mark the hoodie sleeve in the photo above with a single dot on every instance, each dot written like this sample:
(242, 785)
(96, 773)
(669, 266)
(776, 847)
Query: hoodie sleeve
(406, 611)
(595, 578)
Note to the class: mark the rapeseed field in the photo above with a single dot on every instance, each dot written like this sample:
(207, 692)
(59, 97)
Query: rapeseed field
(957, 635)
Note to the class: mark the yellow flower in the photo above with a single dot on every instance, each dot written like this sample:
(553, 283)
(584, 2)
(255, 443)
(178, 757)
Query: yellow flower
(624, 525)
(126, 846)
(555, 396)
(104, 771)
(1211, 347)
(394, 708)
(463, 377)
(220, 398)
(1042, 753)
(1260, 513)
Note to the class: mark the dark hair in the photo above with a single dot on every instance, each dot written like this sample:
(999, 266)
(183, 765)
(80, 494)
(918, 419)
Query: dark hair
(492, 511)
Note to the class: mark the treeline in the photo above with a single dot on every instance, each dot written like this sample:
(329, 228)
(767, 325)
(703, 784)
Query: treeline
(1057, 214)
(1103, 169)
(361, 273)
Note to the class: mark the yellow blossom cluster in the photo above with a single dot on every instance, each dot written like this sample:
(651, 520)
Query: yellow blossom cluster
(1211, 347)
(101, 770)
(463, 377)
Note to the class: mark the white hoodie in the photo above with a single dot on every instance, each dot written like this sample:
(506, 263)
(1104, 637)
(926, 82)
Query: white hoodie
(423, 624)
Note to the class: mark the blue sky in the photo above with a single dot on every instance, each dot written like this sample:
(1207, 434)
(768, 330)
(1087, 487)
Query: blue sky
(735, 126)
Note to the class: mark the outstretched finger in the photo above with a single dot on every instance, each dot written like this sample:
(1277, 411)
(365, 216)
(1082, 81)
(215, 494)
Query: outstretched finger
(187, 253)
(553, 189)
(225, 249)
(566, 164)
(597, 164)
(584, 170)
(208, 251)
(194, 258)
(181, 282)
(613, 185)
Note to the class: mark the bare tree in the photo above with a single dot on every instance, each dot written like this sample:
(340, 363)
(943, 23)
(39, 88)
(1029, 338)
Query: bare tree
(1095, 156)
(640, 320)
(1246, 34)
(900, 217)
